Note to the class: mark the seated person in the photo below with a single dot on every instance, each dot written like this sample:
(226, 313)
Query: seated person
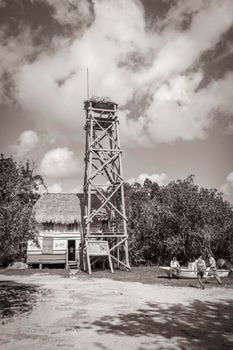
(174, 267)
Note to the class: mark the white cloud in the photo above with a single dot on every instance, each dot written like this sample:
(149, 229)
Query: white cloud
(227, 187)
(58, 99)
(181, 111)
(60, 163)
(55, 188)
(127, 60)
(180, 49)
(159, 178)
(27, 141)
(14, 52)
(77, 189)
(230, 178)
(71, 12)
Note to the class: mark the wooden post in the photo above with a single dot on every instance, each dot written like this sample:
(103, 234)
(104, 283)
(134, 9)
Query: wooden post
(67, 262)
(88, 225)
(110, 261)
(88, 264)
(123, 209)
(118, 254)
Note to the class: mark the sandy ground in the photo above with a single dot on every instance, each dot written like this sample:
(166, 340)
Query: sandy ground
(48, 311)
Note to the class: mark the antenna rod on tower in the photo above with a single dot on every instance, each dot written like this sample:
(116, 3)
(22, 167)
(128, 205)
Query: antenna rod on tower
(88, 84)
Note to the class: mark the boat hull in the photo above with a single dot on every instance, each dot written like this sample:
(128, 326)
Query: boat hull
(191, 274)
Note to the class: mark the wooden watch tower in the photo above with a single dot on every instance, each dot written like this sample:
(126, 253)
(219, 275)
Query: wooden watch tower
(103, 179)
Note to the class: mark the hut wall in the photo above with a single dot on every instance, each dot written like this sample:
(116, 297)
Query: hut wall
(53, 243)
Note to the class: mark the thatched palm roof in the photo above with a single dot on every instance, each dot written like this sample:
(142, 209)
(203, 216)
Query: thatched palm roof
(59, 208)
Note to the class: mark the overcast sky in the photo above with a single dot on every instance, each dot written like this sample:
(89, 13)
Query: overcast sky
(167, 63)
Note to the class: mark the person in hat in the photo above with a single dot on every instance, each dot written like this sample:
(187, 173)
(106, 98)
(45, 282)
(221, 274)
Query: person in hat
(174, 267)
(213, 269)
(200, 267)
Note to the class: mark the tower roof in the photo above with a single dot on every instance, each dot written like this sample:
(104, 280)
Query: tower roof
(100, 103)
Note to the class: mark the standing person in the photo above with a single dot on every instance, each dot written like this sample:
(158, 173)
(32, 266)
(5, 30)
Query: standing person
(213, 269)
(201, 269)
(174, 267)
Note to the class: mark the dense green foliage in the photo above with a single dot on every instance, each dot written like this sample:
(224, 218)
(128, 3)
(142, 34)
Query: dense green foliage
(178, 219)
(17, 197)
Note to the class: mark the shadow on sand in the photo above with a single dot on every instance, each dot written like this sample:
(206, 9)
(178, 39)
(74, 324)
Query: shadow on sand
(16, 299)
(200, 325)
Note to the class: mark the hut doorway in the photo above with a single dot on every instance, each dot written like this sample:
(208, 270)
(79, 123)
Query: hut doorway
(71, 250)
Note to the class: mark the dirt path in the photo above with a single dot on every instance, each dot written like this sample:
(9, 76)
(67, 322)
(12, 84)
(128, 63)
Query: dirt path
(81, 313)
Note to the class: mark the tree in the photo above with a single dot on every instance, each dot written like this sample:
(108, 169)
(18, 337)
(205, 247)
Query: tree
(179, 219)
(18, 195)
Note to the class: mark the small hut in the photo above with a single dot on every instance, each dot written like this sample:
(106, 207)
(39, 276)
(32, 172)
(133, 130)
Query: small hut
(59, 230)
(59, 222)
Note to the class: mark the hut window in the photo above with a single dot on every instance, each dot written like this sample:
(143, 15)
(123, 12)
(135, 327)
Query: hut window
(59, 227)
(40, 227)
(72, 227)
(48, 226)
(47, 246)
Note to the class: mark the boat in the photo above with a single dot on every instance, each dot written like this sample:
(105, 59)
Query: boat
(189, 272)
